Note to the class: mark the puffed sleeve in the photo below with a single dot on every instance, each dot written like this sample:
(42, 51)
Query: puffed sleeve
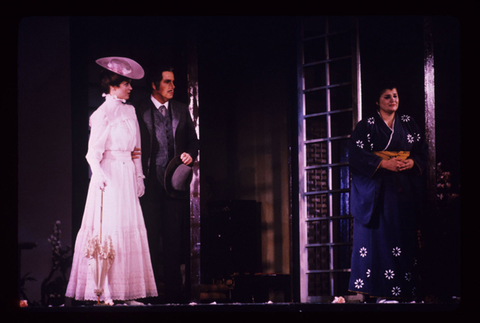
(140, 186)
(96, 145)
(138, 144)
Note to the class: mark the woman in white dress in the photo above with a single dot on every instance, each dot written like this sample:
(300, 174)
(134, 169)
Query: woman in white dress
(114, 135)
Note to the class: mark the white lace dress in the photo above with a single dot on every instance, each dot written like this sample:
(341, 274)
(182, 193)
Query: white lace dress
(114, 134)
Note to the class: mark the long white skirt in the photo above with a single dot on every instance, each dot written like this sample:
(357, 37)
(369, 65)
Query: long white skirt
(130, 275)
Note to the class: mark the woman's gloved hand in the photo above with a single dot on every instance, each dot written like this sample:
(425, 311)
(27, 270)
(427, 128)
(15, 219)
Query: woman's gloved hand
(140, 187)
(99, 180)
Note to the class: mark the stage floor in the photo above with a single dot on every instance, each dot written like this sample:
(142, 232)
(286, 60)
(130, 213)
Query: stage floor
(246, 313)
(251, 308)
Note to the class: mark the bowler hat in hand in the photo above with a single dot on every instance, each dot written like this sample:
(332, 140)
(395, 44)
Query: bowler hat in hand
(177, 178)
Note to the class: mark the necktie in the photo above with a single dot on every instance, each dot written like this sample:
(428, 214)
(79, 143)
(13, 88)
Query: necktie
(162, 110)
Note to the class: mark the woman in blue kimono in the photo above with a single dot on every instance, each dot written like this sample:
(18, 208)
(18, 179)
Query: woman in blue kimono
(387, 157)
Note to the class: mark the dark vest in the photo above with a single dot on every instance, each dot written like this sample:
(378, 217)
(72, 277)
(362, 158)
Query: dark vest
(163, 147)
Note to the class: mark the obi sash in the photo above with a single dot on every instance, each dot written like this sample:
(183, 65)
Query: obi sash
(386, 155)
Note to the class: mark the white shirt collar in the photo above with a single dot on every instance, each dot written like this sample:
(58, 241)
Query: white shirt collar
(157, 103)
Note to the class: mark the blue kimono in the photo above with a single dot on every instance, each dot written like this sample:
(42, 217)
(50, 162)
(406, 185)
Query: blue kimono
(384, 205)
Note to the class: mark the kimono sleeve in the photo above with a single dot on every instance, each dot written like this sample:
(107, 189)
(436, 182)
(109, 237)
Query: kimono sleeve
(364, 164)
(360, 157)
(419, 151)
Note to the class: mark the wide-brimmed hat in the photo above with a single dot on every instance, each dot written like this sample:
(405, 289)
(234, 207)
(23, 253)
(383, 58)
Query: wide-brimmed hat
(122, 66)
(177, 178)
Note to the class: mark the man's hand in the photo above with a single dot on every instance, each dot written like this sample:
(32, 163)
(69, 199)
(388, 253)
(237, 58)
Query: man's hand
(186, 158)
(136, 153)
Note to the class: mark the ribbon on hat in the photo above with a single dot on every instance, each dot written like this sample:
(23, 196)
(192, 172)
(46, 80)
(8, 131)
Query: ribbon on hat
(119, 67)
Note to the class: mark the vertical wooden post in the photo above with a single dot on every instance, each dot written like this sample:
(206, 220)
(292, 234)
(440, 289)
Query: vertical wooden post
(195, 270)
(429, 84)
(357, 78)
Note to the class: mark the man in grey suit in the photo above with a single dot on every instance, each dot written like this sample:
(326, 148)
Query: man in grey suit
(167, 130)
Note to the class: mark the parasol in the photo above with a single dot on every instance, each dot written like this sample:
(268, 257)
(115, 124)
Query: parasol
(100, 256)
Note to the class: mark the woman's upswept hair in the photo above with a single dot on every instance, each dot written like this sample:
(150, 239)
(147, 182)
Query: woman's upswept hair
(386, 85)
(108, 78)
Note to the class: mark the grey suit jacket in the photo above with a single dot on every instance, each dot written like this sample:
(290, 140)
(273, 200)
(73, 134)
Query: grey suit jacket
(185, 137)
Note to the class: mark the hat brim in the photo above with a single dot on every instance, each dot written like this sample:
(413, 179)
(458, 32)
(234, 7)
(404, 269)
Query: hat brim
(135, 71)
(169, 171)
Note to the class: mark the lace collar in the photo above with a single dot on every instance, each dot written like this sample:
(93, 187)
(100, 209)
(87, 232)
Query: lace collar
(113, 97)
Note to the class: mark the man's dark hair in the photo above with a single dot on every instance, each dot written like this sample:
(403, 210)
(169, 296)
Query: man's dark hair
(154, 74)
